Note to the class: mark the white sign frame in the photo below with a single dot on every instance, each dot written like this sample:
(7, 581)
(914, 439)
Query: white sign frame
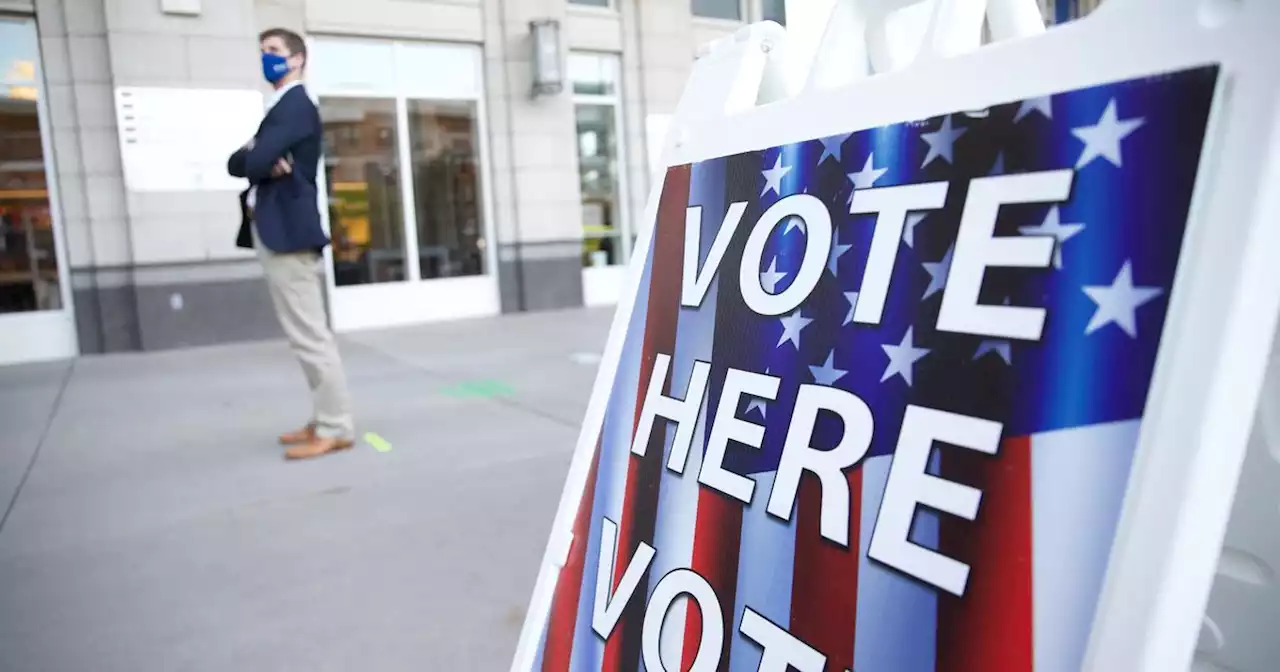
(178, 139)
(1200, 411)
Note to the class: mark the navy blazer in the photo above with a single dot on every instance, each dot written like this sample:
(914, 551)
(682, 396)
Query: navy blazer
(286, 209)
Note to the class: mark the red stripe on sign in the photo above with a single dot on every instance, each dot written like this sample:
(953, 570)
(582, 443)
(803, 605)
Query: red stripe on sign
(640, 504)
(990, 628)
(717, 540)
(824, 583)
(558, 650)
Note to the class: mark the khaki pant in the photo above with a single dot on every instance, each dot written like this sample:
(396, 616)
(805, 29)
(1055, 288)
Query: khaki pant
(297, 293)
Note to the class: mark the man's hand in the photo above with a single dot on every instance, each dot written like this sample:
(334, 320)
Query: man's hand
(282, 167)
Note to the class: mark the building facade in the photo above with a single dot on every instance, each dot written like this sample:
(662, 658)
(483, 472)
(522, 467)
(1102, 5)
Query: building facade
(452, 189)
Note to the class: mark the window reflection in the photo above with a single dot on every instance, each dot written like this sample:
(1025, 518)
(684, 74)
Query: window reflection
(28, 262)
(718, 9)
(593, 74)
(362, 174)
(597, 172)
(774, 10)
(444, 146)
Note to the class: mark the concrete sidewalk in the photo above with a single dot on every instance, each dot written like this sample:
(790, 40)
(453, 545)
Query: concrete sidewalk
(155, 526)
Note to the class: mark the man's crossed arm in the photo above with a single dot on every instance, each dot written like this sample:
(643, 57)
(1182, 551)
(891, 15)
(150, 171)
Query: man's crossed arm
(266, 156)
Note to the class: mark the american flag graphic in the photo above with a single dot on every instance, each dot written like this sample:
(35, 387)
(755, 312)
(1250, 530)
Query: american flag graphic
(1071, 404)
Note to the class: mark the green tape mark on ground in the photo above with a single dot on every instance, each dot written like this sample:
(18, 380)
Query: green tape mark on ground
(379, 444)
(481, 389)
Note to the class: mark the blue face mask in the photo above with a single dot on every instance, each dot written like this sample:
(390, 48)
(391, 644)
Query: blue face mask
(274, 67)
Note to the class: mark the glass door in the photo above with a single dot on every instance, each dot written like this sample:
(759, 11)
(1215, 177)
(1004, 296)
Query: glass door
(444, 155)
(36, 320)
(404, 181)
(606, 231)
(362, 179)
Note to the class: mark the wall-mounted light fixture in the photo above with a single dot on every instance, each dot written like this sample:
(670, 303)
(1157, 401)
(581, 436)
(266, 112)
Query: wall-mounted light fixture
(548, 73)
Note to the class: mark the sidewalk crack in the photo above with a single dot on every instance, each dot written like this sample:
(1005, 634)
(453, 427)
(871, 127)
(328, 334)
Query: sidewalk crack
(44, 435)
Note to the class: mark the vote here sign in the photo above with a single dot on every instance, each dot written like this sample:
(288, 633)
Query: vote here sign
(880, 394)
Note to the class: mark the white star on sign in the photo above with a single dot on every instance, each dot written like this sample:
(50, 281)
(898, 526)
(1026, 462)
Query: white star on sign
(938, 272)
(998, 346)
(1053, 226)
(791, 327)
(852, 298)
(827, 374)
(773, 177)
(909, 231)
(833, 257)
(769, 279)
(902, 358)
(1119, 302)
(866, 178)
(832, 146)
(1103, 138)
(1043, 105)
(794, 223)
(757, 403)
(942, 142)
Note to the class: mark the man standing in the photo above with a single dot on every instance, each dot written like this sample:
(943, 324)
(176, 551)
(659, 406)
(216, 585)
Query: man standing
(281, 220)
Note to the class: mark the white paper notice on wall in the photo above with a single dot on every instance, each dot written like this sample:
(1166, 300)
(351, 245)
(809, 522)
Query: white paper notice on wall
(174, 139)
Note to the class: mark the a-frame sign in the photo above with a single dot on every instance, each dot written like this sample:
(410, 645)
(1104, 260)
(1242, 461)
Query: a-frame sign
(943, 361)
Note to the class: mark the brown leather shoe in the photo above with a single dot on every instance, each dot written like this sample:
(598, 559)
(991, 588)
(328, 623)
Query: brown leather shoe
(303, 435)
(316, 447)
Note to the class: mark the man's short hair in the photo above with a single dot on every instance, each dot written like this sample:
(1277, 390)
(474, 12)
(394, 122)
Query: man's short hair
(292, 41)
